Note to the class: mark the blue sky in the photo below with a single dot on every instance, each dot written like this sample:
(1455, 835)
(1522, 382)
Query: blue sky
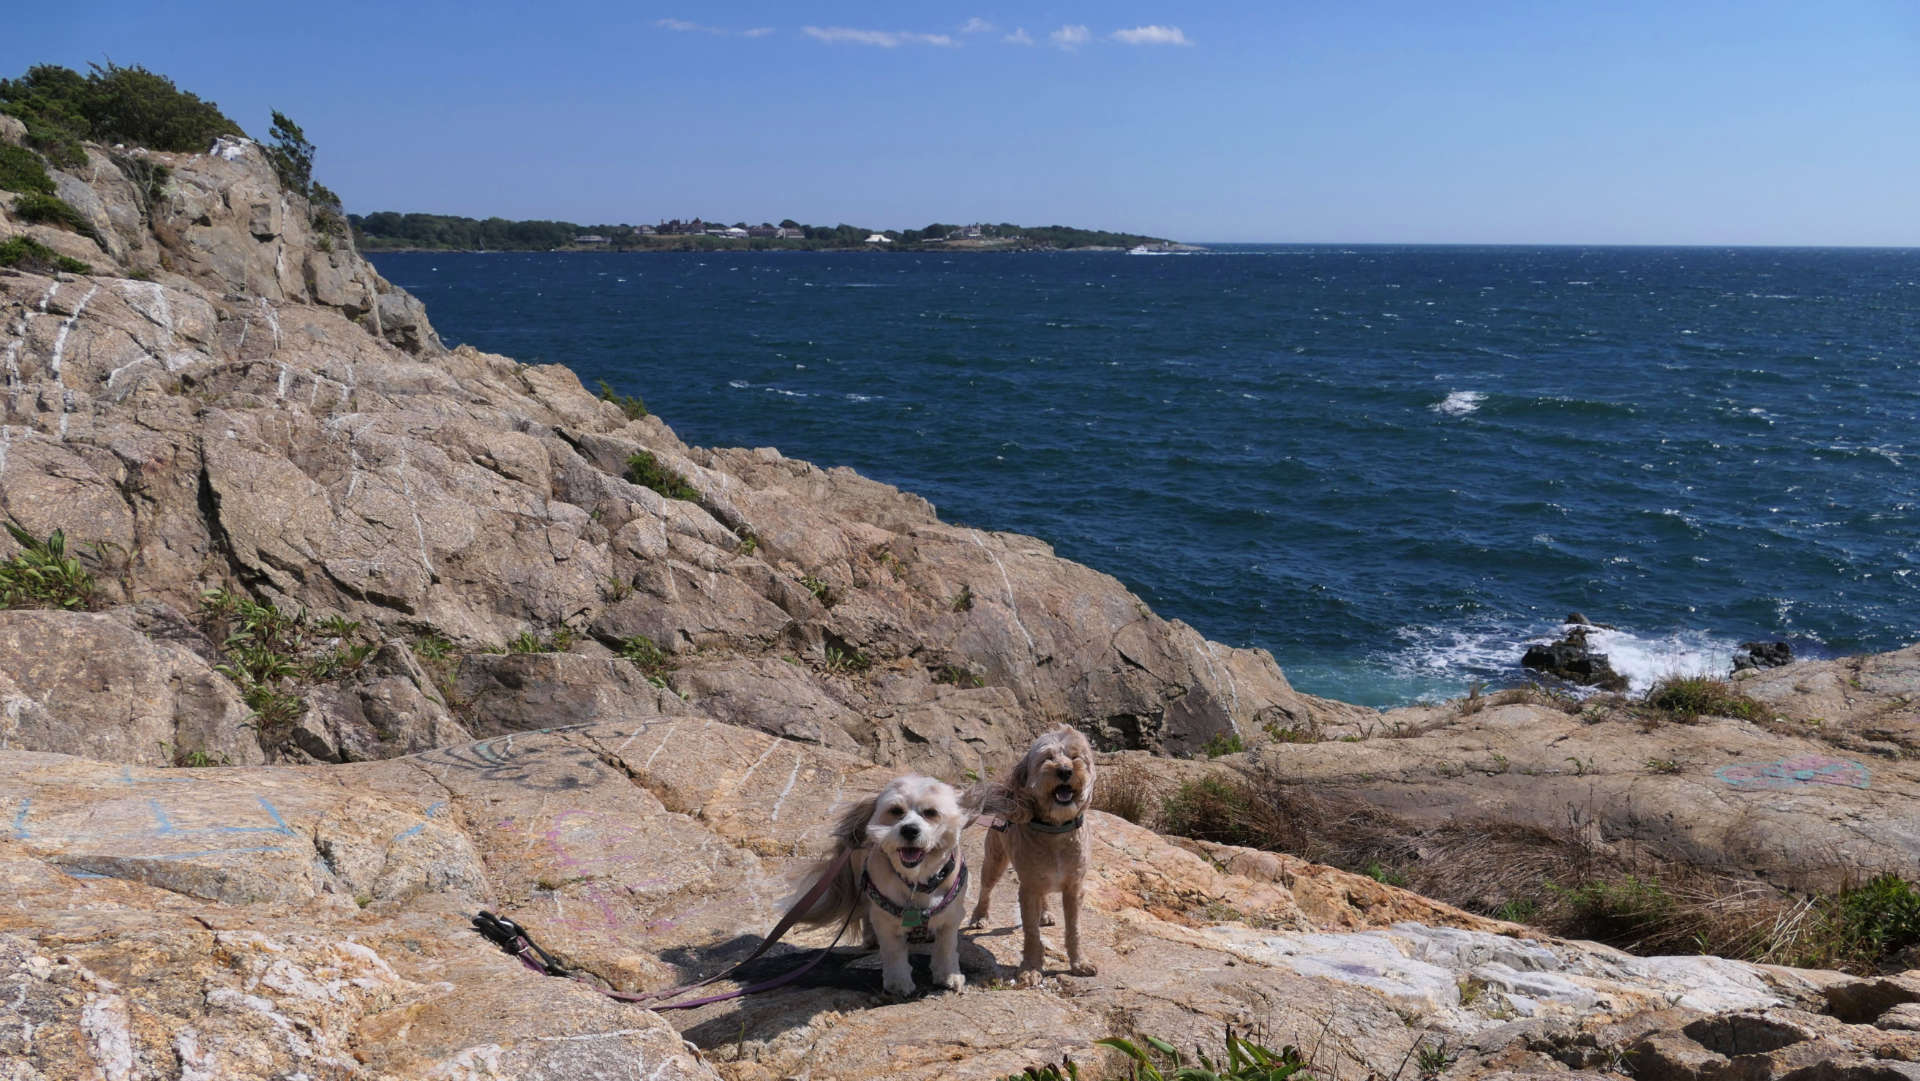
(1362, 121)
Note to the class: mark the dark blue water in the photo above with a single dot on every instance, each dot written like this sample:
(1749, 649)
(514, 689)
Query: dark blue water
(1388, 466)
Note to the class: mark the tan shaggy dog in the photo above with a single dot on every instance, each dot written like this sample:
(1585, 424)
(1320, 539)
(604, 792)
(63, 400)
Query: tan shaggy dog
(904, 877)
(1044, 804)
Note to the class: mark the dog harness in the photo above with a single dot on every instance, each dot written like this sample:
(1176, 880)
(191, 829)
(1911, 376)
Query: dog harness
(914, 920)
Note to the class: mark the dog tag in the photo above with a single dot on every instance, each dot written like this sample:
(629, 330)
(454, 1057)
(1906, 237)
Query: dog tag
(913, 917)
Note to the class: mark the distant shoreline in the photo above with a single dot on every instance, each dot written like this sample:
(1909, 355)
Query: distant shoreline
(1171, 249)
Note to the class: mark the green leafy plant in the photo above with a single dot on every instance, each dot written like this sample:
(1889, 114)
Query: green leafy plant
(1662, 765)
(645, 654)
(42, 574)
(646, 471)
(846, 660)
(432, 647)
(559, 641)
(1432, 1059)
(749, 544)
(1244, 1060)
(630, 404)
(821, 591)
(958, 676)
(26, 253)
(1387, 875)
(963, 600)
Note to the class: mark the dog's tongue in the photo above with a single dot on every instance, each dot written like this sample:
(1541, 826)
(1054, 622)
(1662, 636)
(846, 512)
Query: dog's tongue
(1064, 794)
(912, 856)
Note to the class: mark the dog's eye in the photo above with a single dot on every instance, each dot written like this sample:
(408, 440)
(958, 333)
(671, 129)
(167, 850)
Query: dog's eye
(896, 810)
(930, 814)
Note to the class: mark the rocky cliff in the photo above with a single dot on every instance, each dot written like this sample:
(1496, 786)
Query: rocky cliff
(442, 631)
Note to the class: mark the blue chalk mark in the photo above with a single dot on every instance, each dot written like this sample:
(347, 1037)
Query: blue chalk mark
(280, 824)
(214, 852)
(406, 833)
(166, 827)
(127, 777)
(20, 819)
(82, 874)
(166, 824)
(434, 809)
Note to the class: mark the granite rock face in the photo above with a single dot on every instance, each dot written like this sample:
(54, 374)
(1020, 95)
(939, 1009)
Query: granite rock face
(257, 921)
(238, 400)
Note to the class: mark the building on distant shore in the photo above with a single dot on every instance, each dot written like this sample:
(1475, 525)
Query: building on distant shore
(879, 238)
(591, 238)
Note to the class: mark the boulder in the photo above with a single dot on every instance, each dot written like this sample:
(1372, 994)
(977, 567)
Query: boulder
(1762, 655)
(88, 684)
(1573, 660)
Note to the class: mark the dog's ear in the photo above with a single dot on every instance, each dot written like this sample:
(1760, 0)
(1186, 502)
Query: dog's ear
(851, 829)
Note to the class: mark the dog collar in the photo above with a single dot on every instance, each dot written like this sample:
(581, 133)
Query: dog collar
(915, 919)
(1038, 826)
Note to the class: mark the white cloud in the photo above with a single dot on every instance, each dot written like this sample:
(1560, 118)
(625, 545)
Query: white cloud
(1070, 37)
(1152, 35)
(685, 27)
(1019, 37)
(884, 39)
(978, 25)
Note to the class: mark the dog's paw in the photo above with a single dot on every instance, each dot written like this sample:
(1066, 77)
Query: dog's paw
(976, 921)
(1028, 977)
(952, 982)
(898, 988)
(1046, 919)
(1084, 968)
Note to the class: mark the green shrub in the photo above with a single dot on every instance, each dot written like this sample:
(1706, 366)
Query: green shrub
(646, 471)
(1879, 919)
(110, 104)
(630, 404)
(43, 575)
(1688, 697)
(1223, 743)
(22, 170)
(26, 253)
(40, 209)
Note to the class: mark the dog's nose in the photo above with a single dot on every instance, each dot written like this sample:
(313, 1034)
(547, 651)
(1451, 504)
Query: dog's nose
(1066, 772)
(910, 831)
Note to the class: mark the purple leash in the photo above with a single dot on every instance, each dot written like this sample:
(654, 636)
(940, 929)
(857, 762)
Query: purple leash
(513, 938)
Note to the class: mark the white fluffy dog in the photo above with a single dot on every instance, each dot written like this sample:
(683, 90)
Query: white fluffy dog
(905, 877)
(1044, 804)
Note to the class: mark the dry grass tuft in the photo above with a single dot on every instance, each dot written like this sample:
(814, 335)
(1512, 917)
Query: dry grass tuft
(1562, 881)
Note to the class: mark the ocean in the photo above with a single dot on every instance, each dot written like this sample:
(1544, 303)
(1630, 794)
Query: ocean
(1390, 466)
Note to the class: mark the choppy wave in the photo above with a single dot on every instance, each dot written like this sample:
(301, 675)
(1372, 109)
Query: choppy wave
(1459, 403)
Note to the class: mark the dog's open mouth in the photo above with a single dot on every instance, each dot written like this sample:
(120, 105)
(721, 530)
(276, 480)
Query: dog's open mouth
(911, 857)
(1065, 794)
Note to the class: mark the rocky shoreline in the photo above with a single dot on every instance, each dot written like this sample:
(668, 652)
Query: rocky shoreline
(377, 633)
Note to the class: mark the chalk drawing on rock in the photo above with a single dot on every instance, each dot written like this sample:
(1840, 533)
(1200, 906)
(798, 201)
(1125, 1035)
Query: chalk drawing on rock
(1796, 772)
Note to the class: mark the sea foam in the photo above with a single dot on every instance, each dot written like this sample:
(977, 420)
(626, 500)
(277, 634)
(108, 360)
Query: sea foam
(1459, 403)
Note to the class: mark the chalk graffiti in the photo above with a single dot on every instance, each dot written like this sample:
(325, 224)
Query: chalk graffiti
(1785, 773)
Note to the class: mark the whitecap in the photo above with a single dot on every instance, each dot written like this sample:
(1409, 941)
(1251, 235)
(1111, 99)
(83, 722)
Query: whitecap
(1646, 661)
(1459, 403)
